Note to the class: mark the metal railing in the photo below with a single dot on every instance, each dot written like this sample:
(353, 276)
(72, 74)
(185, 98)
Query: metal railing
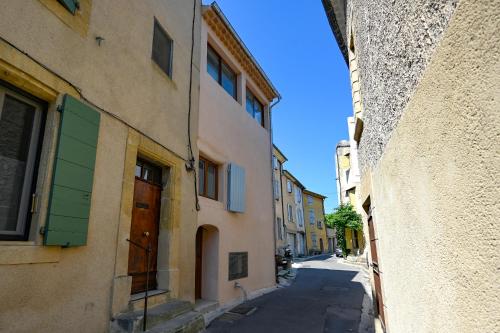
(148, 261)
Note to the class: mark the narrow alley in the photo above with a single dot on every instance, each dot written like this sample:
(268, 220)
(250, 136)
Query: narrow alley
(326, 296)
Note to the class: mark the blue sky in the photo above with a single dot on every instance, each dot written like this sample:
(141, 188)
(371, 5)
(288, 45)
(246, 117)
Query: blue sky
(293, 43)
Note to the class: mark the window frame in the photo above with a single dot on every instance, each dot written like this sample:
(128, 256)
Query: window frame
(221, 62)
(205, 178)
(29, 197)
(162, 30)
(255, 100)
(289, 210)
(289, 187)
(312, 216)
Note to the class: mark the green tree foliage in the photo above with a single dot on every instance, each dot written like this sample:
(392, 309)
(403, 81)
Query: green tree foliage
(343, 217)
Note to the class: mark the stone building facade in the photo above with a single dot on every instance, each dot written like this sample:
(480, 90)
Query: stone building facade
(109, 92)
(424, 78)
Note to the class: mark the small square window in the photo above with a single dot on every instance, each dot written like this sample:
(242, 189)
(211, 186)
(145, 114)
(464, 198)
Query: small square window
(238, 265)
(208, 179)
(162, 49)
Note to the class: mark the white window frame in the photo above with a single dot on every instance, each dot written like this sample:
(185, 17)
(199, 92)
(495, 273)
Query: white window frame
(29, 174)
(288, 186)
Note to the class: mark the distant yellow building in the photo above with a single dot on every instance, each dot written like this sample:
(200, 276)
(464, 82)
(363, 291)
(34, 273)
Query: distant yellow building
(314, 210)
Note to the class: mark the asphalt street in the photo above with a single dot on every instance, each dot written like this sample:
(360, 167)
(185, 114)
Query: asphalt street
(326, 296)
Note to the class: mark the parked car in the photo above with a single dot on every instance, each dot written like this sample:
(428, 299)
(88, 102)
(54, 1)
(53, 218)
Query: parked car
(338, 252)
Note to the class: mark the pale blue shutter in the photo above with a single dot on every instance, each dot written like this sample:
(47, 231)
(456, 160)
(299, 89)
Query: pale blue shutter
(236, 188)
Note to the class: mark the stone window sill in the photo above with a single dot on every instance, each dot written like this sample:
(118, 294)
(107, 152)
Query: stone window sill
(21, 253)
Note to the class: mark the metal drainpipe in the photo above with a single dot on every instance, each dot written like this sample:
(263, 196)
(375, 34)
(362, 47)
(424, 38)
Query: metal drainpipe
(272, 175)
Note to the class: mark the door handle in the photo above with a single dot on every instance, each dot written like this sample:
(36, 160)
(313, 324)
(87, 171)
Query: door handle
(145, 233)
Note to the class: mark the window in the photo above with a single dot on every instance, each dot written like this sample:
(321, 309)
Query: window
(162, 49)
(277, 192)
(20, 133)
(255, 108)
(238, 265)
(320, 224)
(208, 179)
(148, 172)
(300, 217)
(298, 195)
(290, 212)
(309, 200)
(288, 186)
(311, 216)
(221, 72)
(275, 162)
(314, 240)
(70, 5)
(279, 226)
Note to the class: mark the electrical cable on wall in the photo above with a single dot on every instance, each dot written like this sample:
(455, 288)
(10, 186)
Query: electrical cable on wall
(190, 164)
(82, 96)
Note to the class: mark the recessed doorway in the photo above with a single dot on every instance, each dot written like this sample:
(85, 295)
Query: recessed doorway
(144, 227)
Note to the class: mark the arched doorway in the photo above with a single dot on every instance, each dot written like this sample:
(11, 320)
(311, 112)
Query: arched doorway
(207, 266)
(321, 247)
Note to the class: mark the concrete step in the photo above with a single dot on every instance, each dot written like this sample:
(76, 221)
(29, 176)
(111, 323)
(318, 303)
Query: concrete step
(205, 306)
(190, 322)
(132, 321)
(155, 297)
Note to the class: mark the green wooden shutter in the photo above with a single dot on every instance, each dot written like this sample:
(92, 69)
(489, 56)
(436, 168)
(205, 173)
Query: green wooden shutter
(69, 205)
(71, 5)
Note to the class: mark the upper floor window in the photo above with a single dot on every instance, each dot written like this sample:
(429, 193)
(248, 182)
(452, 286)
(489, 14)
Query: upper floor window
(162, 49)
(208, 179)
(277, 192)
(309, 200)
(298, 195)
(221, 72)
(288, 186)
(275, 162)
(255, 108)
(70, 5)
(20, 128)
(290, 212)
(300, 217)
(320, 224)
(311, 216)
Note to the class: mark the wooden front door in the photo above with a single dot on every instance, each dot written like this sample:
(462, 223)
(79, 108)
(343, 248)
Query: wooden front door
(198, 267)
(376, 271)
(145, 226)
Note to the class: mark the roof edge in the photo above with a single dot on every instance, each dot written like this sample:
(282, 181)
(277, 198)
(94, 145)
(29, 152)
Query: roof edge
(330, 14)
(226, 22)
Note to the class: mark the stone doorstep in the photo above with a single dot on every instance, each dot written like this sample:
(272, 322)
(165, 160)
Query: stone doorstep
(190, 322)
(132, 321)
(204, 306)
(155, 297)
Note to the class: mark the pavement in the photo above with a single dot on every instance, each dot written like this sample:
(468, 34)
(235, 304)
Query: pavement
(326, 296)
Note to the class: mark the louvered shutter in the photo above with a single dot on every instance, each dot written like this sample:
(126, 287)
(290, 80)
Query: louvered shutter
(69, 205)
(71, 5)
(236, 188)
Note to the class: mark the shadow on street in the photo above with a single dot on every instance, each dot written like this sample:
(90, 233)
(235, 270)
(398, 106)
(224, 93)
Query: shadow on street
(323, 298)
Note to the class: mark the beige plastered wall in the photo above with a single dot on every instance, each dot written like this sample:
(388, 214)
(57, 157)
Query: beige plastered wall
(435, 191)
(228, 134)
(50, 289)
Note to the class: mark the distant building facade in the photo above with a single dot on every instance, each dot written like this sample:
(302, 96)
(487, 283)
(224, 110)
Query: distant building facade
(316, 231)
(279, 207)
(294, 220)
(424, 76)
